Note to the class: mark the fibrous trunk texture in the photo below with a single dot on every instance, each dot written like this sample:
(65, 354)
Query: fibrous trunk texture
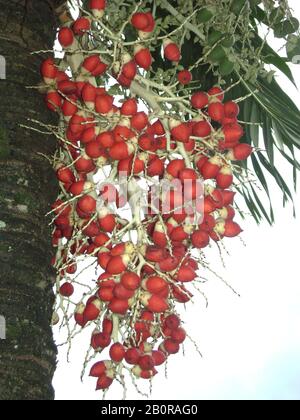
(27, 187)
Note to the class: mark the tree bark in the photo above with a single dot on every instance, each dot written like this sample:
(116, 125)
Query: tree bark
(27, 187)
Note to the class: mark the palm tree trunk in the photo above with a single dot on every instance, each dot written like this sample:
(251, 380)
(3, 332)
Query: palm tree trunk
(27, 187)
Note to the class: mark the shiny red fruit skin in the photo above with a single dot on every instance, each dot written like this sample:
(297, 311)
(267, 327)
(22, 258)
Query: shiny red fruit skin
(185, 77)
(65, 37)
(140, 21)
(172, 52)
(199, 100)
(143, 59)
(216, 111)
(117, 352)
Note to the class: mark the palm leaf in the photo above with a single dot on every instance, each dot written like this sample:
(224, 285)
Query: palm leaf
(269, 56)
(270, 109)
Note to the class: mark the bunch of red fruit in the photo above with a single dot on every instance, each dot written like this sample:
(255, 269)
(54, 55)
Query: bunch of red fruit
(134, 304)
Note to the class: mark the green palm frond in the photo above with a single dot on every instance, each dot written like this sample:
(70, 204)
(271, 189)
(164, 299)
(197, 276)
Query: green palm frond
(273, 125)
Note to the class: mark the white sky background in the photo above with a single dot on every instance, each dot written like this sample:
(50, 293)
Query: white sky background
(251, 345)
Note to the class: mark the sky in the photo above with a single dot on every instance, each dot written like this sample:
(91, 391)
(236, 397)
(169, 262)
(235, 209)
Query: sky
(250, 344)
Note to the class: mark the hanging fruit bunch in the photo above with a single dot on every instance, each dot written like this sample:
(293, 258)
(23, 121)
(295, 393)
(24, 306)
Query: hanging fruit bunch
(120, 126)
